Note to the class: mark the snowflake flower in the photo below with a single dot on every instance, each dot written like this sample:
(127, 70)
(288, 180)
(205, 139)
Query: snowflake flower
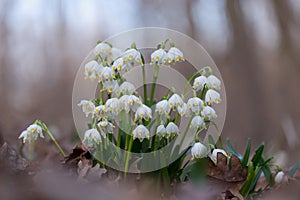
(113, 54)
(127, 88)
(105, 127)
(107, 74)
(175, 101)
(162, 107)
(175, 55)
(92, 70)
(199, 83)
(134, 102)
(213, 82)
(102, 49)
(143, 112)
(132, 58)
(161, 131)
(195, 104)
(172, 129)
(113, 106)
(214, 155)
(159, 57)
(199, 151)
(101, 111)
(141, 132)
(208, 113)
(88, 107)
(183, 110)
(212, 96)
(111, 86)
(118, 64)
(91, 137)
(31, 133)
(197, 122)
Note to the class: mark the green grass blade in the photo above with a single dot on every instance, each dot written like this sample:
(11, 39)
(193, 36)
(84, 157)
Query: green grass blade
(246, 154)
(294, 169)
(232, 150)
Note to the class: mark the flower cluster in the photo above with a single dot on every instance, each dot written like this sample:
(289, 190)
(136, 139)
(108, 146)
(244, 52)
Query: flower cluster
(31, 133)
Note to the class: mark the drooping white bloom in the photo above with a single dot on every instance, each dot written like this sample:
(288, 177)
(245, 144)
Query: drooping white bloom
(31, 133)
(197, 122)
(199, 151)
(102, 49)
(175, 55)
(101, 111)
(159, 57)
(161, 131)
(143, 112)
(183, 110)
(118, 64)
(214, 155)
(195, 104)
(113, 54)
(212, 96)
(88, 107)
(113, 106)
(172, 129)
(111, 86)
(124, 103)
(141, 132)
(92, 70)
(280, 178)
(162, 107)
(107, 74)
(208, 113)
(199, 83)
(175, 101)
(134, 102)
(91, 137)
(132, 58)
(213, 82)
(127, 88)
(105, 127)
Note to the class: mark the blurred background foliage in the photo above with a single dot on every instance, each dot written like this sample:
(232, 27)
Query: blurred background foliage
(254, 43)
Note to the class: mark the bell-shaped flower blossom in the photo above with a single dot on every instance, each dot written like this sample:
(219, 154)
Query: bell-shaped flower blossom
(199, 151)
(214, 155)
(212, 96)
(132, 58)
(199, 83)
(118, 64)
(280, 178)
(92, 70)
(213, 82)
(101, 112)
(113, 106)
(127, 88)
(111, 86)
(88, 107)
(197, 122)
(175, 101)
(124, 103)
(107, 74)
(31, 133)
(91, 138)
(143, 112)
(113, 54)
(102, 49)
(183, 110)
(141, 132)
(195, 104)
(105, 127)
(134, 102)
(208, 113)
(172, 129)
(159, 57)
(175, 55)
(162, 107)
(161, 131)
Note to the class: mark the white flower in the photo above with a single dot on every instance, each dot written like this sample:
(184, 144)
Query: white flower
(111, 86)
(118, 64)
(143, 112)
(124, 103)
(208, 113)
(113, 54)
(199, 151)
(195, 104)
(91, 137)
(214, 155)
(161, 131)
(172, 129)
(105, 127)
(102, 49)
(132, 58)
(134, 102)
(212, 96)
(213, 82)
(92, 70)
(159, 57)
(280, 178)
(141, 132)
(199, 83)
(88, 107)
(162, 107)
(107, 74)
(101, 111)
(113, 106)
(175, 55)
(197, 122)
(183, 110)
(175, 101)
(127, 88)
(31, 133)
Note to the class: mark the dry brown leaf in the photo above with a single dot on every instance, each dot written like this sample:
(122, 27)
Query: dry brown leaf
(232, 172)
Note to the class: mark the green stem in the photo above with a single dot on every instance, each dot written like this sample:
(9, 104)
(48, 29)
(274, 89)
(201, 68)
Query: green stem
(186, 130)
(128, 156)
(144, 84)
(31, 150)
(155, 76)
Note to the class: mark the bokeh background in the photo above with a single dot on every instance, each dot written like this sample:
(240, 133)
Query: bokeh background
(254, 43)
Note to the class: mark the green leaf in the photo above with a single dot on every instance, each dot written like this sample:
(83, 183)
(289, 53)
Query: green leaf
(251, 180)
(258, 155)
(232, 150)
(246, 154)
(294, 169)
